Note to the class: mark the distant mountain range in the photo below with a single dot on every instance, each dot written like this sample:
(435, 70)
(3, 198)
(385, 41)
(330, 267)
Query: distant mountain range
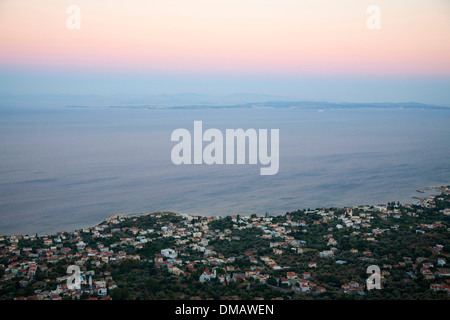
(188, 101)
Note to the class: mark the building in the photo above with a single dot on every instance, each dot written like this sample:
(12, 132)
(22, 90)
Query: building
(169, 253)
(207, 275)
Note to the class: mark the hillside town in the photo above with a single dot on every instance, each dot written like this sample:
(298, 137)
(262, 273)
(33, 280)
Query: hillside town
(321, 253)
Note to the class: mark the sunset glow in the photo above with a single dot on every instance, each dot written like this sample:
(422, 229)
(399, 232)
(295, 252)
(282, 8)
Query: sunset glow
(229, 36)
(269, 38)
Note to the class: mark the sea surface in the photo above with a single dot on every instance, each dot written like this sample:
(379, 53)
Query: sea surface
(68, 168)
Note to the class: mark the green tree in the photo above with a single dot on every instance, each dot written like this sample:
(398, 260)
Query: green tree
(120, 294)
(152, 285)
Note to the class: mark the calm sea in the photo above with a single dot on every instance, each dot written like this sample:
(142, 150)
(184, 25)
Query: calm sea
(70, 168)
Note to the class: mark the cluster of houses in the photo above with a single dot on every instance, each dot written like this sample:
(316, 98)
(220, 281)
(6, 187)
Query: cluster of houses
(178, 262)
(192, 234)
(49, 250)
(301, 284)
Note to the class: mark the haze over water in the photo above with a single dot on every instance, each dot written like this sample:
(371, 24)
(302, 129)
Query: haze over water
(69, 168)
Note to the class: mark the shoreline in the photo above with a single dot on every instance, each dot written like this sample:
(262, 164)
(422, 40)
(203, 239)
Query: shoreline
(116, 216)
(425, 192)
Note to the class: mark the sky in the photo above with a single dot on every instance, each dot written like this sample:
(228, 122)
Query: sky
(305, 49)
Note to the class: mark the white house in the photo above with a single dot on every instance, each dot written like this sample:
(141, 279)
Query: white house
(169, 253)
(207, 275)
(101, 291)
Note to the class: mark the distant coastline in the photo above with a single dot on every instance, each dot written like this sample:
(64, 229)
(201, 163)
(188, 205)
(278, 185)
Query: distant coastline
(320, 106)
(196, 101)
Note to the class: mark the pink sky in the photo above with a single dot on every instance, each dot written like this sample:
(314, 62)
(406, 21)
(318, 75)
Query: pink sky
(246, 36)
